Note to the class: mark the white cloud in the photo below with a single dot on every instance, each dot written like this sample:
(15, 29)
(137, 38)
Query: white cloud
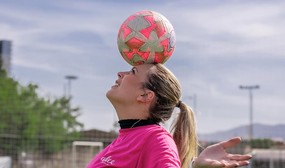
(220, 45)
(232, 28)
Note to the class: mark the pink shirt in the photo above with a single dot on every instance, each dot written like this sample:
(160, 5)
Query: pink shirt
(148, 146)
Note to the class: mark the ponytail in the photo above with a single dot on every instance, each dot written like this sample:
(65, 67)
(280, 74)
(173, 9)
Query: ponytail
(184, 135)
(168, 92)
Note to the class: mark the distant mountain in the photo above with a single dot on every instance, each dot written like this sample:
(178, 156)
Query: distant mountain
(259, 131)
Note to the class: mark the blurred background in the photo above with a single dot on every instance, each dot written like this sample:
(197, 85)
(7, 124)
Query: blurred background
(59, 58)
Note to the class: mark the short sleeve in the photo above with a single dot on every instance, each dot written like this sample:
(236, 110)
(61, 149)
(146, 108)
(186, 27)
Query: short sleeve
(159, 151)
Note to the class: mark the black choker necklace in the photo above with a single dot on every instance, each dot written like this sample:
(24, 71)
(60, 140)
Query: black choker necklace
(131, 123)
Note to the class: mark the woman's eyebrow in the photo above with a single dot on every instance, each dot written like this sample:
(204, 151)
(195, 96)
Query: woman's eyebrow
(134, 68)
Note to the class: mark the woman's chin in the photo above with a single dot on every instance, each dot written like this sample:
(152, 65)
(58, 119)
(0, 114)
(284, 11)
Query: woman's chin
(110, 94)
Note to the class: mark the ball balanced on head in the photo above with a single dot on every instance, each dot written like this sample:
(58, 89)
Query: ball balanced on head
(146, 37)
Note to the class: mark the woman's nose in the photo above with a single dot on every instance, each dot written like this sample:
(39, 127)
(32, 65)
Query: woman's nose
(121, 74)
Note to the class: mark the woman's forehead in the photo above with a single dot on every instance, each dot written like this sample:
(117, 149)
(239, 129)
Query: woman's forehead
(144, 67)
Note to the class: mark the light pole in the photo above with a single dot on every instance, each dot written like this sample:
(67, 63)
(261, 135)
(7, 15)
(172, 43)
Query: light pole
(250, 88)
(194, 98)
(70, 78)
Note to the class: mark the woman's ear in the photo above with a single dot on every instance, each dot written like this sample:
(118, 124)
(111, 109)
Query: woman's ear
(147, 96)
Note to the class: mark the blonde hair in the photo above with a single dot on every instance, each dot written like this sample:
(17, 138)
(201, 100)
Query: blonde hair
(168, 92)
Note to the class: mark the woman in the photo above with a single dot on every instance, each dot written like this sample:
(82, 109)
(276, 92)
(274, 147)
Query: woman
(143, 98)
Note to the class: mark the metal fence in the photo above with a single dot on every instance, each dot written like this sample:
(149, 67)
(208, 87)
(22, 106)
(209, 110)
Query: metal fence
(72, 153)
(266, 153)
(77, 153)
(42, 133)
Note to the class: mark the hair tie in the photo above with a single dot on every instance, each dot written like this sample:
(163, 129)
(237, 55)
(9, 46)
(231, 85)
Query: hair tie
(179, 104)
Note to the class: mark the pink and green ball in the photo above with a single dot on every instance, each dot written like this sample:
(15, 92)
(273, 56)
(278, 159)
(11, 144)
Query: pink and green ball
(146, 37)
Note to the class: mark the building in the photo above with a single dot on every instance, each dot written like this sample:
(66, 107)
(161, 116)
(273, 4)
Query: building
(95, 135)
(91, 142)
(268, 158)
(5, 55)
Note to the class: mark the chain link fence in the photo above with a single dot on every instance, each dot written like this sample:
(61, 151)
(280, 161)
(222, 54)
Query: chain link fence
(73, 153)
(44, 133)
(76, 153)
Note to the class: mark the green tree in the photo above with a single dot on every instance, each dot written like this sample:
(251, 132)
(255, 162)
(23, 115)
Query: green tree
(30, 122)
(262, 143)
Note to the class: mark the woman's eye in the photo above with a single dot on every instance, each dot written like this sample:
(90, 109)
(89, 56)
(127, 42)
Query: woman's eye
(133, 71)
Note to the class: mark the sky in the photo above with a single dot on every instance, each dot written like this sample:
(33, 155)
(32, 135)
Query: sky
(220, 45)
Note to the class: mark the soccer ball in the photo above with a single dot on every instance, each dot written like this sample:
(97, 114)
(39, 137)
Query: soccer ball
(146, 37)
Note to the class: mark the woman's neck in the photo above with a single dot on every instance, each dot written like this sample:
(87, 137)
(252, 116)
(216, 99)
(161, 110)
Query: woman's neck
(131, 123)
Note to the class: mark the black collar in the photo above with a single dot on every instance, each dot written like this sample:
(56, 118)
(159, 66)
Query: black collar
(131, 123)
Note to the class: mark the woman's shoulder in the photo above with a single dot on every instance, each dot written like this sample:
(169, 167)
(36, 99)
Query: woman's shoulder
(159, 149)
(158, 135)
(148, 135)
(154, 130)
